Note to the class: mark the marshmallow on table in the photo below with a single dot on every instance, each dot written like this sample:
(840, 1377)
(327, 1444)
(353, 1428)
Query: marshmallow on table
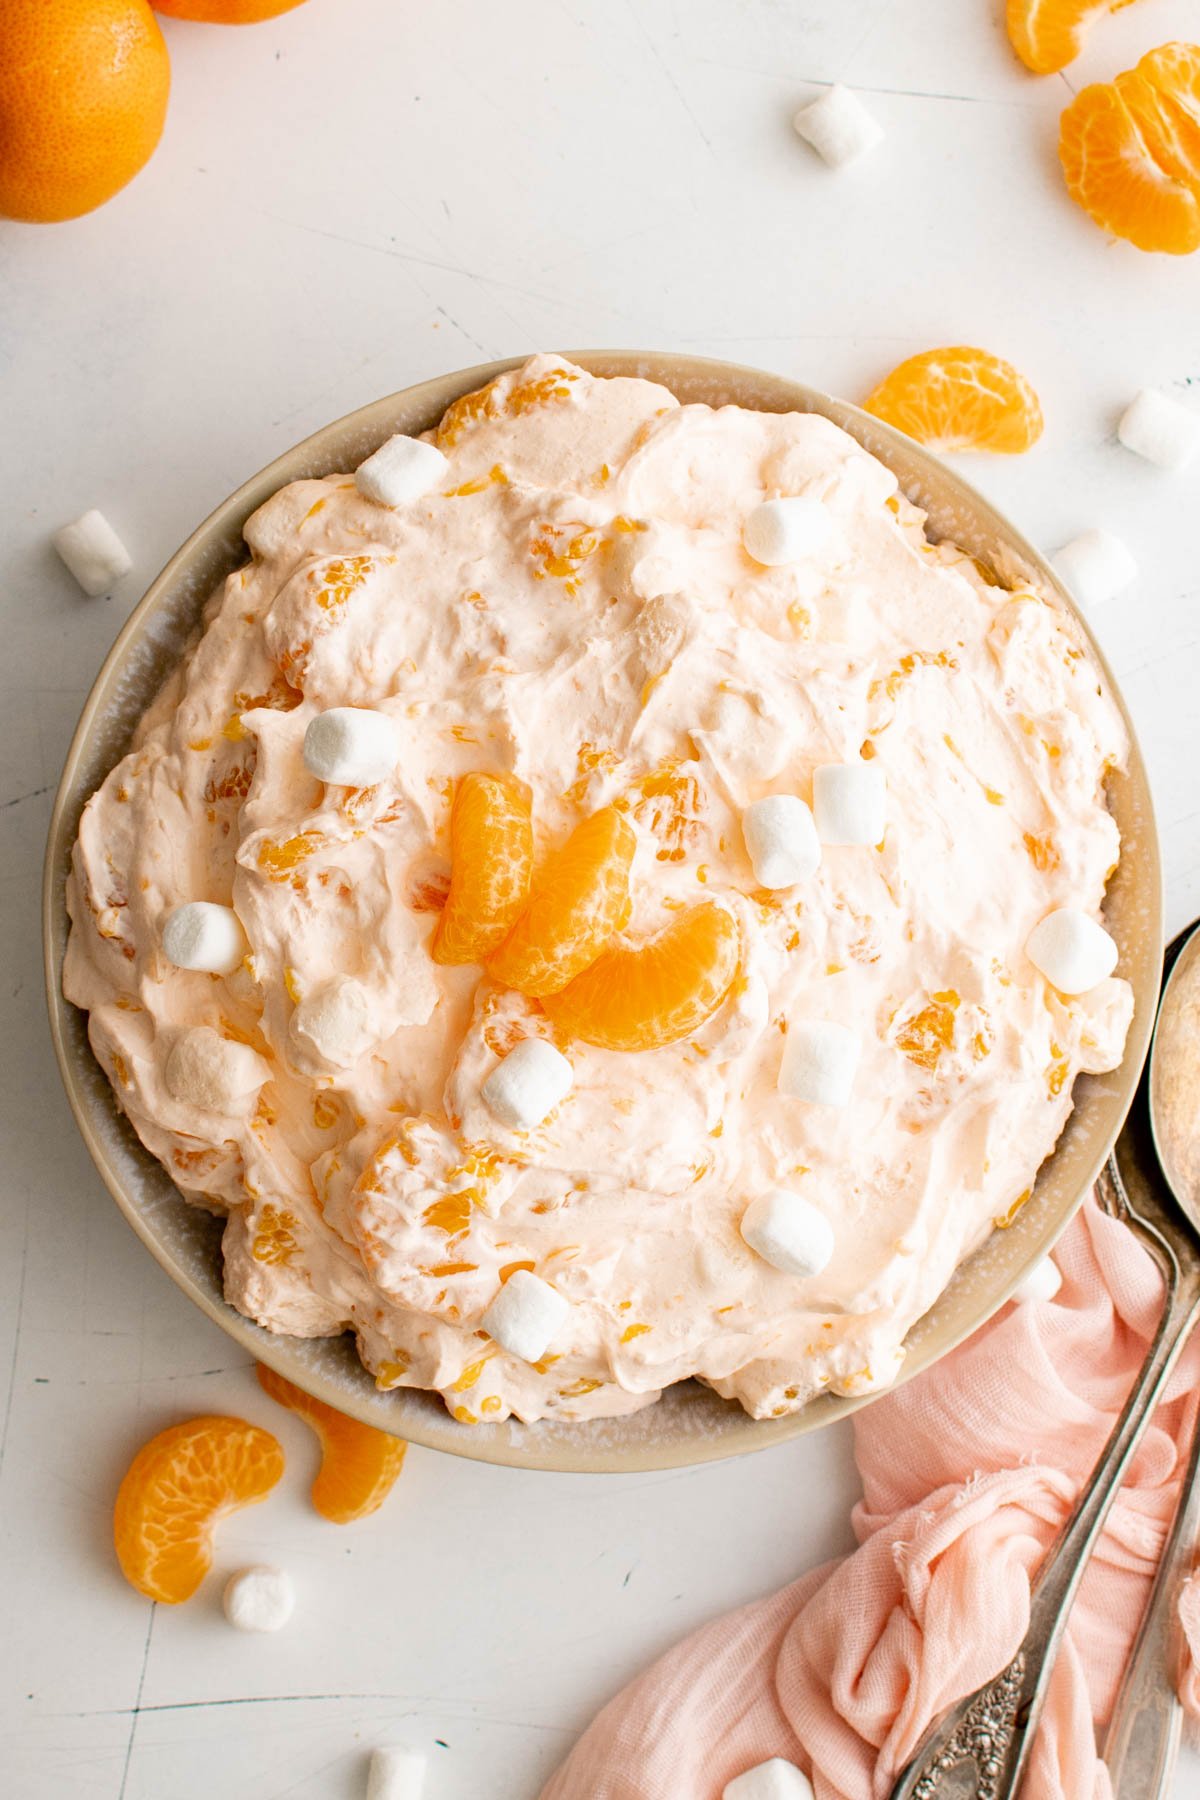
(93, 552)
(259, 1599)
(1041, 1282)
(1071, 950)
(781, 840)
(788, 1232)
(838, 126)
(400, 471)
(526, 1316)
(1160, 429)
(396, 1773)
(204, 1069)
(334, 1022)
(528, 1084)
(850, 802)
(204, 936)
(819, 1061)
(774, 1780)
(787, 530)
(1095, 566)
(352, 746)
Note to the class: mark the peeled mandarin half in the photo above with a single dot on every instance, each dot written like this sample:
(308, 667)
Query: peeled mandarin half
(491, 860)
(1130, 151)
(640, 996)
(1048, 34)
(960, 399)
(176, 1488)
(579, 899)
(359, 1465)
(225, 12)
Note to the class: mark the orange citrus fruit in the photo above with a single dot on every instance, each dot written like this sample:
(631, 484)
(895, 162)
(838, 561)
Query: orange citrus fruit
(491, 861)
(359, 1465)
(1048, 34)
(640, 996)
(83, 96)
(176, 1488)
(960, 399)
(225, 12)
(580, 897)
(1130, 151)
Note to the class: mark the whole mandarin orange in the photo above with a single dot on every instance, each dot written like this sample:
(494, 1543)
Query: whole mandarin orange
(83, 96)
(225, 12)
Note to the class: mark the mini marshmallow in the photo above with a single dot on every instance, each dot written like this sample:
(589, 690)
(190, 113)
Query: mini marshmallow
(201, 935)
(400, 471)
(1071, 950)
(774, 1780)
(396, 1773)
(528, 1084)
(1160, 429)
(819, 1061)
(1095, 566)
(351, 746)
(526, 1315)
(838, 126)
(787, 530)
(260, 1598)
(333, 1023)
(850, 802)
(788, 1232)
(781, 840)
(93, 552)
(204, 1069)
(1041, 1282)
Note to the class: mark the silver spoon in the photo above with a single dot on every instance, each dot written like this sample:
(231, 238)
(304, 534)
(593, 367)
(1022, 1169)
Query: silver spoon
(980, 1749)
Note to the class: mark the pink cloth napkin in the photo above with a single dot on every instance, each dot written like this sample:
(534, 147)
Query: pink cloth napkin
(968, 1472)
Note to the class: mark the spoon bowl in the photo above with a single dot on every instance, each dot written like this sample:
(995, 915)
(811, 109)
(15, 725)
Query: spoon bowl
(1175, 1079)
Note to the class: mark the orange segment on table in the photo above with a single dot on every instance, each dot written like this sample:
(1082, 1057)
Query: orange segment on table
(225, 12)
(176, 1488)
(579, 898)
(1049, 34)
(359, 1465)
(959, 398)
(640, 996)
(491, 861)
(1130, 151)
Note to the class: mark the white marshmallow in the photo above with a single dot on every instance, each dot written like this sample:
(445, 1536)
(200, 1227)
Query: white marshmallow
(774, 1780)
(787, 530)
(1095, 567)
(1160, 429)
(204, 1069)
(528, 1084)
(93, 552)
(781, 840)
(850, 802)
(400, 471)
(838, 126)
(1041, 1282)
(819, 1061)
(526, 1316)
(351, 746)
(259, 1598)
(333, 1024)
(788, 1232)
(396, 1773)
(201, 935)
(1071, 950)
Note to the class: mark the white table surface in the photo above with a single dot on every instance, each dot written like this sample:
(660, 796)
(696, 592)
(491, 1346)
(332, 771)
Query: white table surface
(348, 199)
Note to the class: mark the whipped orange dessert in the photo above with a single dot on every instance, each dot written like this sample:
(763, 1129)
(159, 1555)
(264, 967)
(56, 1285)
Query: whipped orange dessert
(496, 1047)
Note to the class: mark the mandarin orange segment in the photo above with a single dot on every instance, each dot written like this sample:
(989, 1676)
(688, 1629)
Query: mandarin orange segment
(640, 996)
(359, 1465)
(491, 861)
(1049, 34)
(960, 399)
(1130, 151)
(176, 1488)
(579, 899)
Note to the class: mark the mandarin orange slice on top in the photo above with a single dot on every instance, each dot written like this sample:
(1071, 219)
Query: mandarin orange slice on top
(1130, 151)
(176, 1488)
(359, 1465)
(960, 399)
(579, 898)
(640, 996)
(491, 860)
(1049, 34)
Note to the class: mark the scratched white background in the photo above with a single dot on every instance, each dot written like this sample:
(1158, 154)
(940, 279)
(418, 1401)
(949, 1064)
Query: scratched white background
(348, 199)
